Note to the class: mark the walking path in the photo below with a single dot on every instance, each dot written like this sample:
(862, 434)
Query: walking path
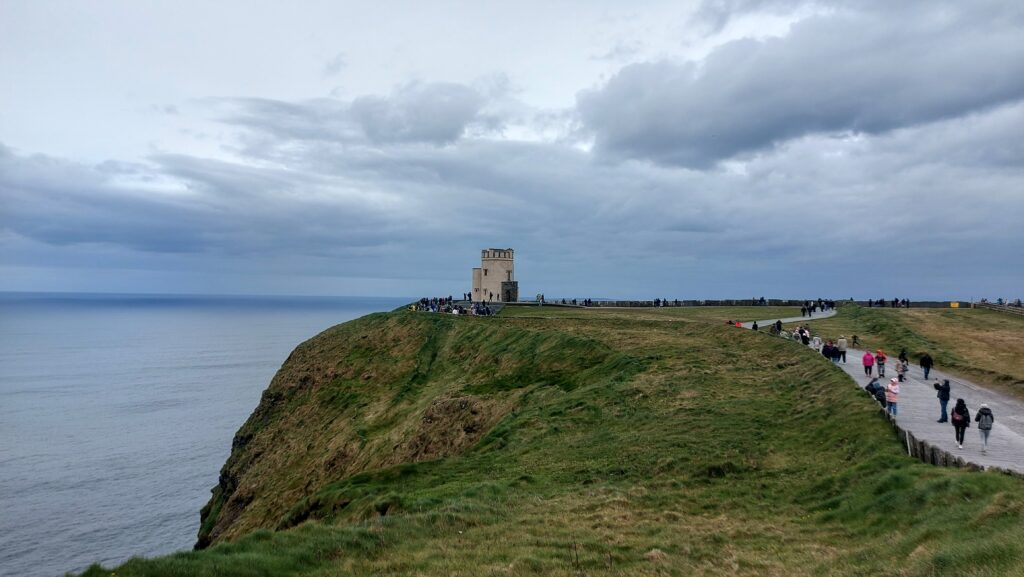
(919, 410)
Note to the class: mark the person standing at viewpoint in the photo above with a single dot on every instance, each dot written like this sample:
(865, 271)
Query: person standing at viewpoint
(926, 364)
(869, 362)
(985, 419)
(960, 418)
(943, 395)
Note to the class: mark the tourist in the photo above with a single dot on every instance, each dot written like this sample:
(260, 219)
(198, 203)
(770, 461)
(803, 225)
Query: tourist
(816, 343)
(754, 326)
(876, 389)
(841, 348)
(856, 341)
(826, 350)
(901, 370)
(961, 419)
(880, 362)
(778, 326)
(903, 354)
(943, 395)
(869, 362)
(926, 364)
(892, 396)
(985, 418)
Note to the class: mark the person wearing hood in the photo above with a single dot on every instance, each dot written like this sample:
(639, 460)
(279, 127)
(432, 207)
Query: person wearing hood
(960, 417)
(943, 395)
(985, 418)
(880, 361)
(892, 396)
(869, 362)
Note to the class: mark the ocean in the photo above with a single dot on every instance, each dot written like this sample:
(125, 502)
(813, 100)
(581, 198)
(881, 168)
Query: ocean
(117, 412)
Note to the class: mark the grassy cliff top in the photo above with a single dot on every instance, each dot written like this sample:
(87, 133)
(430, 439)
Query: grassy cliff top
(577, 442)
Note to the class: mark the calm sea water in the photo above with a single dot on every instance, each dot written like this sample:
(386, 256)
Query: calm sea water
(117, 412)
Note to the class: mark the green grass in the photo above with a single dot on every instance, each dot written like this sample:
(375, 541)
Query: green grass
(709, 314)
(612, 446)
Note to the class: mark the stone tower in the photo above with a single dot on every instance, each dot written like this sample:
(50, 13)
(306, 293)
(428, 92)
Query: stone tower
(495, 280)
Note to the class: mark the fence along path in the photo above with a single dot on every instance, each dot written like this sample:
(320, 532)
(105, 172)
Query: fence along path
(919, 410)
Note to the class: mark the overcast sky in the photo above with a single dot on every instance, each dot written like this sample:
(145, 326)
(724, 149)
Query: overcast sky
(727, 148)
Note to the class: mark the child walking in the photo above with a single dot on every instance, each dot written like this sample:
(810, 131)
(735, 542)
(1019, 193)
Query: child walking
(892, 396)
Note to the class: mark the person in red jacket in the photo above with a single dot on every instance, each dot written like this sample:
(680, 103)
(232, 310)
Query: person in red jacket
(869, 362)
(880, 361)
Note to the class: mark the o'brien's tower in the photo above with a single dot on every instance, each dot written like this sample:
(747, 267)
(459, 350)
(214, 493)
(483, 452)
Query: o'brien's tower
(495, 280)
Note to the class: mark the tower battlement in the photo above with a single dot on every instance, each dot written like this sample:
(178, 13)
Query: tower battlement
(497, 254)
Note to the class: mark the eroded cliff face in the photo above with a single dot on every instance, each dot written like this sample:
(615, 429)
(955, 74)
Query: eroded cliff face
(379, 391)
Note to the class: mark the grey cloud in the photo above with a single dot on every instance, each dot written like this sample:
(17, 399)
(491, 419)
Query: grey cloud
(335, 65)
(622, 50)
(436, 113)
(432, 113)
(863, 72)
(215, 207)
(403, 210)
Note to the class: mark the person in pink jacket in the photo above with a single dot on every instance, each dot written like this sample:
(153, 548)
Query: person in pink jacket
(892, 395)
(869, 362)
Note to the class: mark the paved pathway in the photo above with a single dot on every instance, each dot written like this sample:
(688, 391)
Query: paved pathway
(765, 325)
(919, 410)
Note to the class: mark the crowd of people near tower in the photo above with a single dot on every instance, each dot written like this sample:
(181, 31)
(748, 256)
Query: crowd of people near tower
(449, 306)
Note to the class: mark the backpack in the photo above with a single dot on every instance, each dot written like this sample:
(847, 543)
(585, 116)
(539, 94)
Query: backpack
(985, 422)
(880, 395)
(957, 417)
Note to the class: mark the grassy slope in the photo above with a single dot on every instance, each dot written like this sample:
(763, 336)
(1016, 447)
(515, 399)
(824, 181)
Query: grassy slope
(664, 452)
(711, 314)
(981, 345)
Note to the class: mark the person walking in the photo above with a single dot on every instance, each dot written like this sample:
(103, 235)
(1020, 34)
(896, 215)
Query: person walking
(901, 370)
(926, 364)
(943, 395)
(985, 418)
(880, 361)
(841, 345)
(903, 354)
(869, 362)
(960, 417)
(816, 343)
(892, 396)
